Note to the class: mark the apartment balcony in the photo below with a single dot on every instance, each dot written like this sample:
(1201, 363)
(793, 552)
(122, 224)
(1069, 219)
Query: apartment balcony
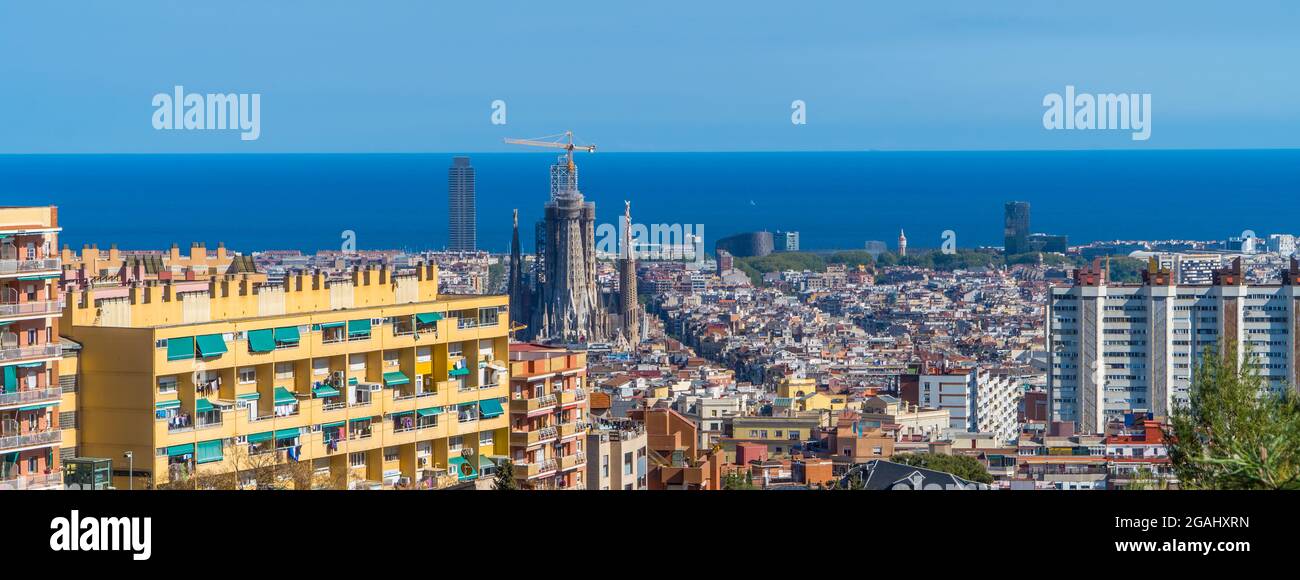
(535, 469)
(14, 267)
(21, 353)
(572, 461)
(572, 396)
(39, 481)
(394, 401)
(533, 405)
(10, 441)
(572, 428)
(536, 437)
(32, 308)
(31, 397)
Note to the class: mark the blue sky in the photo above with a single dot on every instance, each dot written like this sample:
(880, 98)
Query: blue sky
(381, 76)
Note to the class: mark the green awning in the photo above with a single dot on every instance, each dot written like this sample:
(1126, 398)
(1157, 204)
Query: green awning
(489, 408)
(323, 391)
(41, 277)
(395, 378)
(261, 340)
(11, 380)
(260, 437)
(211, 345)
(31, 365)
(358, 327)
(284, 397)
(37, 407)
(180, 348)
(203, 406)
(333, 425)
(483, 461)
(401, 414)
(458, 372)
(164, 405)
(209, 452)
(359, 420)
(325, 325)
(458, 465)
(286, 433)
(185, 449)
(287, 335)
(352, 380)
(428, 317)
(253, 396)
(430, 412)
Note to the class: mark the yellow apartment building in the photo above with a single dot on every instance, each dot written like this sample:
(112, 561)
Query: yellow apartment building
(782, 435)
(367, 380)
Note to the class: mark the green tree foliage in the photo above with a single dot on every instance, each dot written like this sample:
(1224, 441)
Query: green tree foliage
(1233, 433)
(505, 477)
(1126, 270)
(735, 480)
(781, 261)
(962, 466)
(852, 258)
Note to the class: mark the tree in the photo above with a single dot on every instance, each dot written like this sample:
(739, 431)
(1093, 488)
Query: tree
(505, 477)
(962, 466)
(734, 480)
(1234, 433)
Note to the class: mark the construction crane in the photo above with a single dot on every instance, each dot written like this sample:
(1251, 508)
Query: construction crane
(558, 141)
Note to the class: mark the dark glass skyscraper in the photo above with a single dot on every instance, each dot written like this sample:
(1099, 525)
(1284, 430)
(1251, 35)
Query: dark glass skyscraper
(462, 225)
(1017, 227)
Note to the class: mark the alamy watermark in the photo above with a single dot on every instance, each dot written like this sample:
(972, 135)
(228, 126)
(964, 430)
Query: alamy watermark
(652, 242)
(209, 112)
(1109, 111)
(102, 534)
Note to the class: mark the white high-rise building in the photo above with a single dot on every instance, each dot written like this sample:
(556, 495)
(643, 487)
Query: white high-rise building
(1119, 348)
(1282, 244)
(977, 401)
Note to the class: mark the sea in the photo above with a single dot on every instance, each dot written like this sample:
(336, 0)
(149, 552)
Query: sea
(835, 200)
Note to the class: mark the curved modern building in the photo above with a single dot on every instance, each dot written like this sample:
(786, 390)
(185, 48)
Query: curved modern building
(747, 245)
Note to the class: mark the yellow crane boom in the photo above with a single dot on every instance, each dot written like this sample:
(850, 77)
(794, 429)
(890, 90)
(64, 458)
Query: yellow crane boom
(566, 143)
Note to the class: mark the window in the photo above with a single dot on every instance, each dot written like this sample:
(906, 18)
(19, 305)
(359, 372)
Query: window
(455, 349)
(604, 466)
(468, 412)
(357, 362)
(333, 334)
(166, 385)
(485, 439)
(247, 375)
(487, 316)
(390, 453)
(627, 463)
(357, 459)
(455, 443)
(320, 366)
(390, 358)
(284, 370)
(423, 353)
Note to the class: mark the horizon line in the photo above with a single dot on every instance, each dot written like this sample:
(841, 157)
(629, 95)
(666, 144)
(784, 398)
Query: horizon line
(703, 152)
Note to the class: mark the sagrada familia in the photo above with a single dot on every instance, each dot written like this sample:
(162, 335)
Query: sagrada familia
(557, 299)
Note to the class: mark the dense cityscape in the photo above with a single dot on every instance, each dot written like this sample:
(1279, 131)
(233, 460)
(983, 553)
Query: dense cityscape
(756, 365)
